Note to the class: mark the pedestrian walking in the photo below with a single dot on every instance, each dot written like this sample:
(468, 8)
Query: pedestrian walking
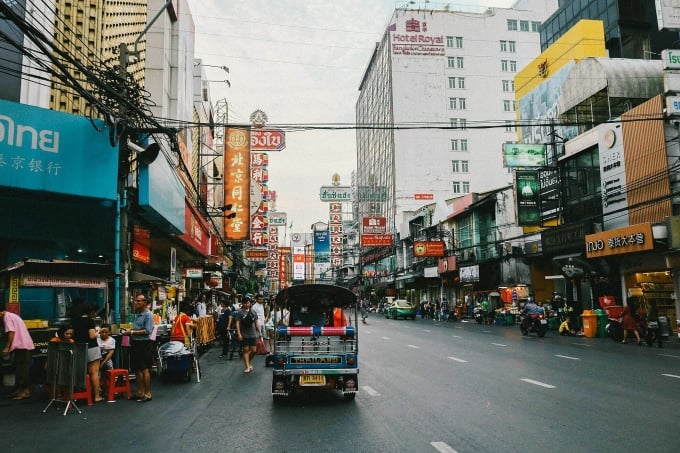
(248, 330)
(364, 306)
(19, 347)
(445, 309)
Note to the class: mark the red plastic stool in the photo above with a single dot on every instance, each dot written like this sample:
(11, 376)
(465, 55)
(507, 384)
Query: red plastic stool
(113, 386)
(84, 394)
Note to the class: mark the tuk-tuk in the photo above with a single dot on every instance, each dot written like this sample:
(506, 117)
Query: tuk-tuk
(315, 340)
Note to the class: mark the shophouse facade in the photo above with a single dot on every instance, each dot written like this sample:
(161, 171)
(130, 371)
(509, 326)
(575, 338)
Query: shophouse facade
(167, 236)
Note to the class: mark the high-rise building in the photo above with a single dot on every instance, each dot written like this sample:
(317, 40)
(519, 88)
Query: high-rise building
(437, 102)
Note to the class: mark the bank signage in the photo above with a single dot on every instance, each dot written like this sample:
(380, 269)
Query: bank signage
(630, 239)
(50, 151)
(428, 248)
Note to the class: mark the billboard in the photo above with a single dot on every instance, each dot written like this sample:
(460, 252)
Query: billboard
(528, 197)
(322, 247)
(374, 225)
(524, 155)
(237, 183)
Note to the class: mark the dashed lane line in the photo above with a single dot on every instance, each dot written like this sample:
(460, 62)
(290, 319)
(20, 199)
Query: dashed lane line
(500, 344)
(670, 375)
(385, 338)
(442, 447)
(413, 346)
(456, 336)
(670, 355)
(566, 357)
(428, 331)
(458, 360)
(539, 383)
(370, 390)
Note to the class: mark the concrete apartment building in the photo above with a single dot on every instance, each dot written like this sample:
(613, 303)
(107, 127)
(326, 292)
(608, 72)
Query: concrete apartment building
(436, 103)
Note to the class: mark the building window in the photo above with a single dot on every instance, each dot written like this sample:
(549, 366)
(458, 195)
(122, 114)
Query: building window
(454, 85)
(451, 62)
(454, 41)
(461, 83)
(459, 62)
(454, 123)
(452, 82)
(512, 24)
(535, 26)
(463, 123)
(455, 166)
(453, 103)
(462, 104)
(506, 105)
(512, 47)
(454, 144)
(463, 144)
(513, 66)
(523, 25)
(508, 86)
(466, 186)
(504, 46)
(510, 126)
(504, 65)
(456, 187)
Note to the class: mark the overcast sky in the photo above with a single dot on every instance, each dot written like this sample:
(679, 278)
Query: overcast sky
(300, 61)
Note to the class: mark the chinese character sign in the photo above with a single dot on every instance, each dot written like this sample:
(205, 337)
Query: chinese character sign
(237, 183)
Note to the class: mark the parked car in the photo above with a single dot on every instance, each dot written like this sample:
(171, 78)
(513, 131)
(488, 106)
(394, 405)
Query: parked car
(401, 308)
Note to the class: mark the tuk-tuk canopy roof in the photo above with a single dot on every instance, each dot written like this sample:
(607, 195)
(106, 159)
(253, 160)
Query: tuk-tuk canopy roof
(316, 294)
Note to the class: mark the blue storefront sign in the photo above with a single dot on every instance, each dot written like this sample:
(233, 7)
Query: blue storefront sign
(51, 151)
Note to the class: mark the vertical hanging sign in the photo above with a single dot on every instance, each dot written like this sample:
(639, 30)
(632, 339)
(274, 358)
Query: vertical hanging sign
(237, 183)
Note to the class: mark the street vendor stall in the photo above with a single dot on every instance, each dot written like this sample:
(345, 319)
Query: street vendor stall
(43, 292)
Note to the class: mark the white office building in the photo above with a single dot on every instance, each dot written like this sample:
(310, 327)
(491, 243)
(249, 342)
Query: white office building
(437, 102)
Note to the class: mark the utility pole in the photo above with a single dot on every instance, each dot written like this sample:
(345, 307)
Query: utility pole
(122, 241)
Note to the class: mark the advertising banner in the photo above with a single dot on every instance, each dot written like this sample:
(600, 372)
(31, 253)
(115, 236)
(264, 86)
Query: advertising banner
(528, 196)
(374, 225)
(376, 240)
(321, 247)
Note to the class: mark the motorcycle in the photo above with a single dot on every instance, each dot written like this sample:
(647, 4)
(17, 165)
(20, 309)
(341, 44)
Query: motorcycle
(533, 322)
(479, 314)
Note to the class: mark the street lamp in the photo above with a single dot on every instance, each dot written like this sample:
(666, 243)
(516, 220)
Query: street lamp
(223, 81)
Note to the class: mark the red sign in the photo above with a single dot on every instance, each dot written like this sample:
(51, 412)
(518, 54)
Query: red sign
(447, 264)
(256, 254)
(374, 225)
(267, 140)
(237, 184)
(423, 196)
(376, 240)
(141, 252)
(428, 248)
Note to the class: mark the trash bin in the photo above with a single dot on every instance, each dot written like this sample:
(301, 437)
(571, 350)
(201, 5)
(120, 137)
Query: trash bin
(602, 321)
(509, 319)
(589, 319)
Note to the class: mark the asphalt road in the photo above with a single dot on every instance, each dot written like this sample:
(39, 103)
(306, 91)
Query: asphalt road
(424, 387)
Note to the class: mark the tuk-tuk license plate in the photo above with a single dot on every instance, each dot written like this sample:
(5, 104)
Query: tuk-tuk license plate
(312, 379)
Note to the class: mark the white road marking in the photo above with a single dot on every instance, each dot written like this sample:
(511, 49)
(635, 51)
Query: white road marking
(500, 344)
(542, 384)
(385, 338)
(670, 375)
(442, 447)
(425, 330)
(413, 346)
(670, 355)
(566, 357)
(458, 360)
(583, 344)
(456, 336)
(370, 390)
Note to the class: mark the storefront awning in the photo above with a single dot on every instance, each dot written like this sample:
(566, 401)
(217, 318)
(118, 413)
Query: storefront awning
(141, 277)
(73, 269)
